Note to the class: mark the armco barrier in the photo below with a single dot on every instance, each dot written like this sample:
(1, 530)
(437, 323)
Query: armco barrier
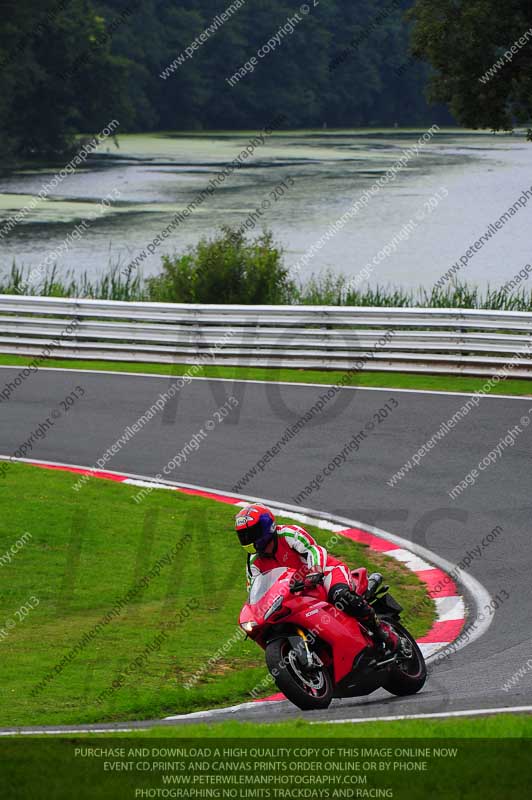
(471, 342)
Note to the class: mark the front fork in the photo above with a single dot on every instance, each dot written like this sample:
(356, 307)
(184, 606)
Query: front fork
(306, 658)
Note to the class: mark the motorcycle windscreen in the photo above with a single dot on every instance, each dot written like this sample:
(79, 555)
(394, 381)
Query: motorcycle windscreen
(263, 583)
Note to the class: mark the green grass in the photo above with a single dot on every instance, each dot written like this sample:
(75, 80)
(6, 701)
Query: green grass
(88, 548)
(502, 726)
(481, 758)
(449, 383)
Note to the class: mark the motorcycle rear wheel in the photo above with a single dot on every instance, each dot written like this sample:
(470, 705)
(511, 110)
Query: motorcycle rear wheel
(307, 689)
(407, 676)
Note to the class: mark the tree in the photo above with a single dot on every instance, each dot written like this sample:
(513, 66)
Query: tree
(56, 80)
(482, 56)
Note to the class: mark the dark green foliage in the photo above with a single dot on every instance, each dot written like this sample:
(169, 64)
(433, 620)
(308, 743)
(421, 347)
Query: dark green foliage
(226, 269)
(463, 40)
(71, 66)
(50, 89)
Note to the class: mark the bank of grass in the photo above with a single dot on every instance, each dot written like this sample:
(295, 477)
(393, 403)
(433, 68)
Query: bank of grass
(87, 549)
(417, 760)
(497, 727)
(391, 380)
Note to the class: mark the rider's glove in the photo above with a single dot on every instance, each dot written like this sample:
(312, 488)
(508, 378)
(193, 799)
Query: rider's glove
(313, 577)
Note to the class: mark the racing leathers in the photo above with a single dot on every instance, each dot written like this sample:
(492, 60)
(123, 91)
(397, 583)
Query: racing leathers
(295, 548)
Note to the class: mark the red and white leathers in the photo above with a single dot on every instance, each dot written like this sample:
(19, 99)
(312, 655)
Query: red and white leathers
(296, 548)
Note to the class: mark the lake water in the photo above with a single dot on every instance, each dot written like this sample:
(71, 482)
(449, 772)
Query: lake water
(473, 179)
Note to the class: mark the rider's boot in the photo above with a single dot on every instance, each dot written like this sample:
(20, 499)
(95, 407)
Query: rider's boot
(384, 635)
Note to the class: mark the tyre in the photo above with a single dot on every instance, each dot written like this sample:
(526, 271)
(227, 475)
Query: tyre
(307, 689)
(409, 673)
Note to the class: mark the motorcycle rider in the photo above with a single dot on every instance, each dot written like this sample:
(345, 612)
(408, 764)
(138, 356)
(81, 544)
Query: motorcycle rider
(269, 546)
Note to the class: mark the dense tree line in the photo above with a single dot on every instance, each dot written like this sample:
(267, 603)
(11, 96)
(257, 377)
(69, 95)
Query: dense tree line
(70, 66)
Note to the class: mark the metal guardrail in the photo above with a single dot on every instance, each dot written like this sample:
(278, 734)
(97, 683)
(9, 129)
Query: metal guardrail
(471, 342)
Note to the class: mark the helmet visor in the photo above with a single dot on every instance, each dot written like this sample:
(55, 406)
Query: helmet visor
(248, 536)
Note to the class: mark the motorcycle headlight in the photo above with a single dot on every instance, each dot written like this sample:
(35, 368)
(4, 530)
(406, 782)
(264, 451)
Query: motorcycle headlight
(248, 626)
(275, 606)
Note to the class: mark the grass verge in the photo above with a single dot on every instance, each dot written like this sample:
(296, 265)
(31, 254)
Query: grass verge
(468, 759)
(86, 551)
(503, 726)
(388, 380)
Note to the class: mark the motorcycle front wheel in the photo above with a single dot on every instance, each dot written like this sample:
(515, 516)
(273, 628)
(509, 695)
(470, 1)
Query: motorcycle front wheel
(308, 689)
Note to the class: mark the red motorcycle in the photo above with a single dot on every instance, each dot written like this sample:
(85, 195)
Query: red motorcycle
(315, 652)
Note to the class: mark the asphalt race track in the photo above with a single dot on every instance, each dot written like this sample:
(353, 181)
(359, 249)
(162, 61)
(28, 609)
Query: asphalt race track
(418, 507)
